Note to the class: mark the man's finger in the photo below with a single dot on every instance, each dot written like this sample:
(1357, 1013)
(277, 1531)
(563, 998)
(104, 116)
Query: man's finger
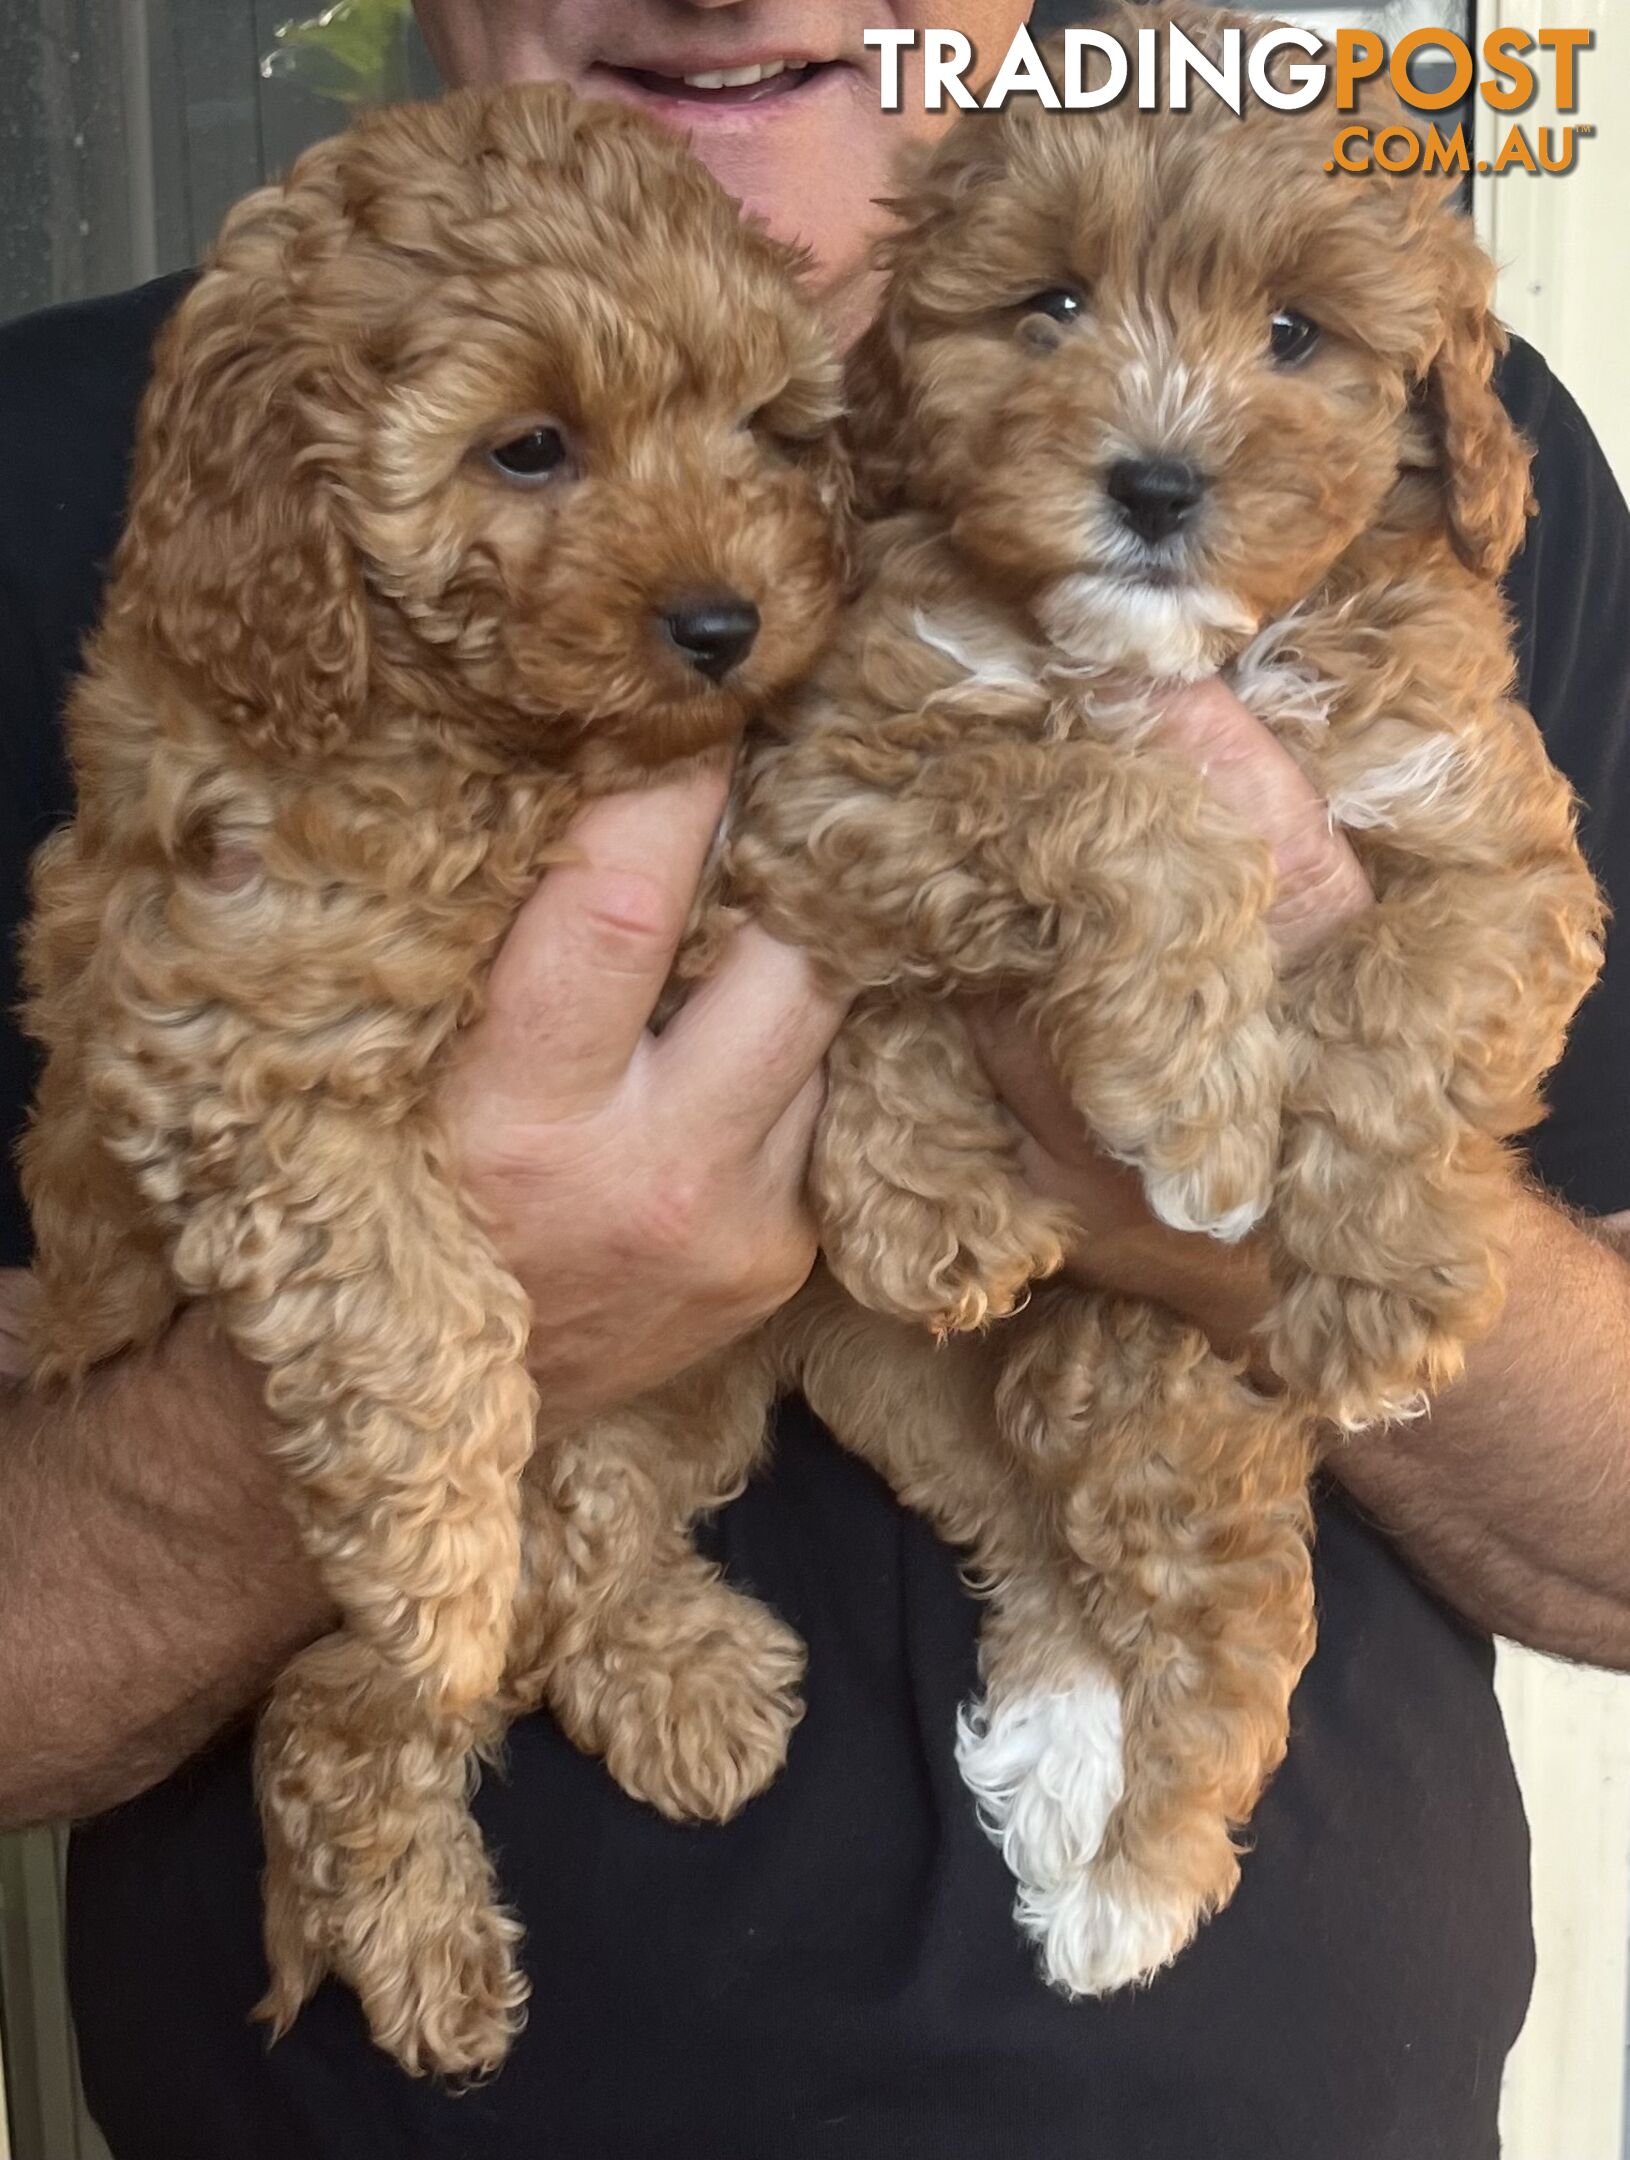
(1016, 1064)
(1057, 1147)
(580, 972)
(750, 1039)
(1247, 768)
(786, 1147)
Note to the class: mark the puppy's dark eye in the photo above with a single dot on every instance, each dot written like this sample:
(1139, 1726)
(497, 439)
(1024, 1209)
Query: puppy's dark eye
(537, 455)
(1058, 302)
(1293, 337)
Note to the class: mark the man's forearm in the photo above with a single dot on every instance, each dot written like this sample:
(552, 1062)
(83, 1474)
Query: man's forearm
(1513, 1497)
(151, 1583)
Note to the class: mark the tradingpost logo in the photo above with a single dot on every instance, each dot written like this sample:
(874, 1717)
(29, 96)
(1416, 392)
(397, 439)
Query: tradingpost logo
(1164, 66)
(1512, 78)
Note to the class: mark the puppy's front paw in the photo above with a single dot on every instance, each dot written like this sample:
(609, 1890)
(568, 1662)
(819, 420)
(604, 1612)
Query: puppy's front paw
(693, 1716)
(1206, 1138)
(1224, 1192)
(949, 1269)
(1360, 1355)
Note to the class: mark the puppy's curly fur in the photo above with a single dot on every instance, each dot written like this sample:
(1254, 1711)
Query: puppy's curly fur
(969, 799)
(351, 682)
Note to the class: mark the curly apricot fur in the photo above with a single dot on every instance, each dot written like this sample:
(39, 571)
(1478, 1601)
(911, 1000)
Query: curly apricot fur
(969, 798)
(348, 690)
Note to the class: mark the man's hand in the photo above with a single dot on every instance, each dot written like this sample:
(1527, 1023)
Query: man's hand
(648, 1192)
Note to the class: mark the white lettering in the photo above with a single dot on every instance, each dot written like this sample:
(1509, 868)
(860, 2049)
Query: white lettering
(1022, 70)
(1077, 44)
(1307, 82)
(1225, 77)
(891, 43)
(947, 57)
(1148, 71)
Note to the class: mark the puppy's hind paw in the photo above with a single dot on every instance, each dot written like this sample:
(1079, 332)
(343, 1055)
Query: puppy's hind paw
(1107, 1928)
(431, 1956)
(1049, 1774)
(455, 1999)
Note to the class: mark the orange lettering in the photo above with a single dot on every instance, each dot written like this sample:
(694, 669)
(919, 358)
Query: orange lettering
(1567, 45)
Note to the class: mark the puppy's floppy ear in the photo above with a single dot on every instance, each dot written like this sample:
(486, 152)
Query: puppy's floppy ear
(826, 460)
(875, 425)
(921, 266)
(809, 418)
(1484, 460)
(233, 563)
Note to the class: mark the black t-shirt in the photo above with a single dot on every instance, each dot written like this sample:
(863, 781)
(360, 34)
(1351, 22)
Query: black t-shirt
(835, 1976)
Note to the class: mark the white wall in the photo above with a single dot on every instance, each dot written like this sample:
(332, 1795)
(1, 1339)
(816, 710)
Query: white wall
(1561, 241)
(1565, 285)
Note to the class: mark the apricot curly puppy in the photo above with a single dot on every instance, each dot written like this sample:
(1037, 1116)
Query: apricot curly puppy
(486, 467)
(1150, 396)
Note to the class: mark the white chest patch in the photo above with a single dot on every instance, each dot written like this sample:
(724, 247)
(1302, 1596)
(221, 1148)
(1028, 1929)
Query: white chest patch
(985, 661)
(1173, 633)
(1373, 800)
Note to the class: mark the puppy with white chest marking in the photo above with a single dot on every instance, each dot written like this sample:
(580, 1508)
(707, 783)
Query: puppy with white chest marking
(1153, 395)
(1150, 395)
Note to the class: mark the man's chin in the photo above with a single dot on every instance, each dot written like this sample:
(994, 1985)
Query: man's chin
(1158, 625)
(764, 152)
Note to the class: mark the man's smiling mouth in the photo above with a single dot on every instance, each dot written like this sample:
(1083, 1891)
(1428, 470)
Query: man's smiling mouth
(753, 83)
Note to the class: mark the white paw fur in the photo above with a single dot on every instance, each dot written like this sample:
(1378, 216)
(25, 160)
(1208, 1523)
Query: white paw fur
(1175, 1199)
(1047, 1772)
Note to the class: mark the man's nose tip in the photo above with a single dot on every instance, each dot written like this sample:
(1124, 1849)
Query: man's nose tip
(714, 631)
(1157, 496)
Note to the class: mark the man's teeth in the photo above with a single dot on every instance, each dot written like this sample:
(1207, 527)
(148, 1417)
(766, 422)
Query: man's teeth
(736, 78)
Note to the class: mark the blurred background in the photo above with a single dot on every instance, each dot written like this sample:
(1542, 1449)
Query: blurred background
(126, 129)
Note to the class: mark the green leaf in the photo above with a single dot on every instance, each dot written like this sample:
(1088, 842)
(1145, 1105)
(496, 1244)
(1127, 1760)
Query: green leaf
(353, 52)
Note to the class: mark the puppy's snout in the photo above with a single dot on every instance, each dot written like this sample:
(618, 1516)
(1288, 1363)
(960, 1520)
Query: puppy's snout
(1157, 496)
(714, 631)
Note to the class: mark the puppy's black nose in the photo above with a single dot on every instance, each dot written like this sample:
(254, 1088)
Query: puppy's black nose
(714, 631)
(1157, 496)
